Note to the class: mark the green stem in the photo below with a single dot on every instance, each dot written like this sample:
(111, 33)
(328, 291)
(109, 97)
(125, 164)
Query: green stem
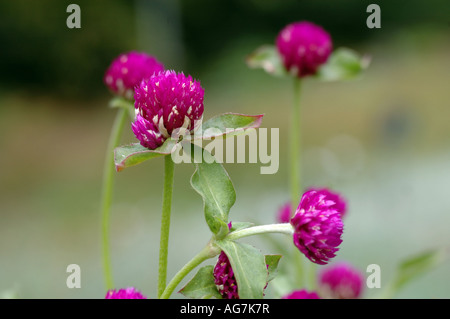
(285, 228)
(165, 223)
(209, 251)
(295, 147)
(107, 189)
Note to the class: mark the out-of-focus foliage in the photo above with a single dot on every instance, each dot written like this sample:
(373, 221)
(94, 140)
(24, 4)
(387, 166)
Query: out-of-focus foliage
(38, 51)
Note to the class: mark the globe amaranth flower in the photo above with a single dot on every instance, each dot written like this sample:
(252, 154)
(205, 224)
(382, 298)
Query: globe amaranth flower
(303, 47)
(224, 278)
(340, 204)
(167, 103)
(301, 294)
(127, 293)
(341, 281)
(127, 71)
(284, 213)
(317, 227)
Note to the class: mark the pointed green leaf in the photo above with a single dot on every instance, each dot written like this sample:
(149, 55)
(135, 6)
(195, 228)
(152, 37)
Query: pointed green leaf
(212, 182)
(343, 64)
(272, 264)
(120, 102)
(202, 285)
(268, 59)
(415, 266)
(248, 266)
(130, 155)
(228, 124)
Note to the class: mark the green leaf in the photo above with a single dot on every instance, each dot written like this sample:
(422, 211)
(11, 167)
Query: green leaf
(130, 155)
(343, 64)
(249, 268)
(202, 285)
(268, 59)
(415, 266)
(272, 264)
(120, 102)
(229, 122)
(212, 182)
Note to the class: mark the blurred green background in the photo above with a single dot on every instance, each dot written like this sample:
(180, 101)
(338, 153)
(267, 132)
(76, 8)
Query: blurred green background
(381, 140)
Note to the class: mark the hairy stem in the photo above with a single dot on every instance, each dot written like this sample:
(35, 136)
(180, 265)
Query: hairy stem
(209, 251)
(285, 228)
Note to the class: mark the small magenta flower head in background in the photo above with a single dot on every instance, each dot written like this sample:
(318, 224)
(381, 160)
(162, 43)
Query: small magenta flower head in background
(224, 278)
(128, 70)
(317, 227)
(166, 103)
(340, 204)
(285, 213)
(301, 294)
(303, 47)
(341, 281)
(127, 293)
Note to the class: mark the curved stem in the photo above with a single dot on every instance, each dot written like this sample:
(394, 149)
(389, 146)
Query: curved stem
(107, 189)
(285, 228)
(165, 223)
(209, 251)
(295, 147)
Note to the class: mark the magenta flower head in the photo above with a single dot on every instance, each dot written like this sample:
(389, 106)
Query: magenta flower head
(127, 71)
(317, 227)
(128, 293)
(341, 281)
(224, 278)
(340, 204)
(301, 294)
(284, 213)
(167, 103)
(303, 47)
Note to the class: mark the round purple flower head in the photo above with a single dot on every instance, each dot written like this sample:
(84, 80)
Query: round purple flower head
(301, 294)
(318, 227)
(340, 203)
(127, 71)
(284, 213)
(167, 103)
(303, 47)
(128, 293)
(224, 278)
(341, 281)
